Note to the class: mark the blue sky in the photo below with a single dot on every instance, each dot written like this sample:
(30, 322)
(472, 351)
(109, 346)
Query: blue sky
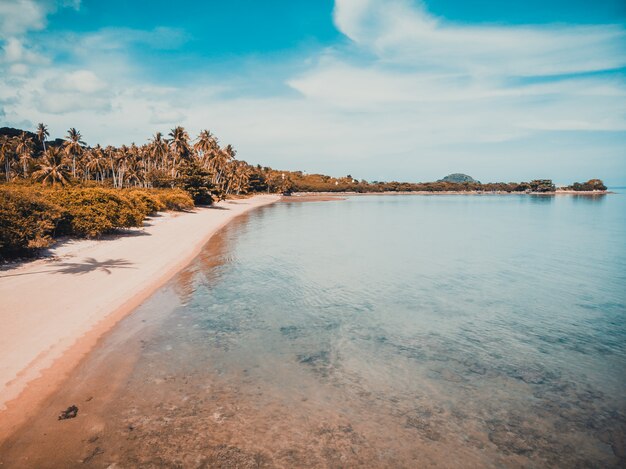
(380, 89)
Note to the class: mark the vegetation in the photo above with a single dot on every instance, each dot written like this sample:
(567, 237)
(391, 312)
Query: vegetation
(590, 185)
(201, 166)
(458, 177)
(31, 216)
(300, 182)
(66, 187)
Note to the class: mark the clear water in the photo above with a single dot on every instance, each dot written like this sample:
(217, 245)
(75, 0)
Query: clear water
(386, 331)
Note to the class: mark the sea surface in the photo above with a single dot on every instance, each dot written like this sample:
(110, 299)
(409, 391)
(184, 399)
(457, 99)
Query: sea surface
(375, 331)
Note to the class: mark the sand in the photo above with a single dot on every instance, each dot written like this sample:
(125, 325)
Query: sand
(54, 310)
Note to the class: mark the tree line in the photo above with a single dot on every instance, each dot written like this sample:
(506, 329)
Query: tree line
(200, 165)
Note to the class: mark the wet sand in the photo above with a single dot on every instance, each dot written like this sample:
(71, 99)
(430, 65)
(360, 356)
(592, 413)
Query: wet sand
(55, 309)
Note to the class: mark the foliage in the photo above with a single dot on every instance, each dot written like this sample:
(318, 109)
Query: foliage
(175, 199)
(200, 166)
(32, 215)
(196, 181)
(590, 185)
(27, 221)
(90, 212)
(149, 198)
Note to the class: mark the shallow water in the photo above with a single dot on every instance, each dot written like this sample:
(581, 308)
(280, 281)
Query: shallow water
(378, 331)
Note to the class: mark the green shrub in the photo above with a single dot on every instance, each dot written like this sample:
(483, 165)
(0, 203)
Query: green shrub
(94, 211)
(175, 199)
(149, 198)
(31, 215)
(27, 221)
(590, 185)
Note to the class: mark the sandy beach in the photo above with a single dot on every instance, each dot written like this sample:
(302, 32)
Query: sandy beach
(56, 308)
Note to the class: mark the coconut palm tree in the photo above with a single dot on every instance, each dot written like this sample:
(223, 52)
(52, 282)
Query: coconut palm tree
(73, 147)
(222, 160)
(205, 144)
(6, 151)
(121, 163)
(158, 150)
(42, 134)
(242, 176)
(24, 150)
(109, 152)
(52, 168)
(97, 163)
(179, 144)
(88, 158)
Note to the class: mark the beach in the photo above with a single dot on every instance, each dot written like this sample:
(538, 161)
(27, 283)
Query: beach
(56, 308)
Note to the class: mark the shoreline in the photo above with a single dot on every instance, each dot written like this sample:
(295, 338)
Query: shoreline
(344, 194)
(55, 309)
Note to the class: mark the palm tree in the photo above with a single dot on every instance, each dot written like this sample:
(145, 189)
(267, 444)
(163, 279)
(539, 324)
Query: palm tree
(121, 159)
(205, 144)
(52, 168)
(97, 163)
(127, 165)
(24, 150)
(158, 149)
(6, 151)
(42, 134)
(179, 145)
(73, 147)
(223, 158)
(242, 175)
(110, 153)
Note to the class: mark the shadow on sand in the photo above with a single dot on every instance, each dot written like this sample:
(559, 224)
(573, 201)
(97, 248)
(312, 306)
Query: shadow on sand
(89, 264)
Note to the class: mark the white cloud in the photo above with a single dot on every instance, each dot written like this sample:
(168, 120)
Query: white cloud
(402, 31)
(20, 16)
(80, 81)
(18, 69)
(412, 97)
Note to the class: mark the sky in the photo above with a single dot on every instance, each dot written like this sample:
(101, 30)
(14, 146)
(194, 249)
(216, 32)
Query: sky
(380, 89)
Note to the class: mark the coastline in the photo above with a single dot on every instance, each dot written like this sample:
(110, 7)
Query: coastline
(56, 309)
(331, 195)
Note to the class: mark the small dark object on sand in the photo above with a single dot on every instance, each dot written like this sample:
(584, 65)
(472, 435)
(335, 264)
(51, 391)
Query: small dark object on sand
(69, 413)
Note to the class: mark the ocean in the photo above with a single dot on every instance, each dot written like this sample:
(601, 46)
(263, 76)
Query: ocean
(374, 331)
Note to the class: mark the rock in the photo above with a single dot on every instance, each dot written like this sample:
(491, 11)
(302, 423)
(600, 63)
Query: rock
(69, 413)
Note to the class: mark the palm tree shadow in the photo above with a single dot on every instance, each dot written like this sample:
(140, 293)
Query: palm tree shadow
(91, 265)
(78, 268)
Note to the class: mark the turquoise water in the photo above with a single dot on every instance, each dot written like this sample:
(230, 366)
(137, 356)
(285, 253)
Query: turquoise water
(494, 322)
(389, 331)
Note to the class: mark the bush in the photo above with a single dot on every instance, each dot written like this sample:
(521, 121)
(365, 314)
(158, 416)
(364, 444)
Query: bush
(590, 185)
(151, 200)
(27, 221)
(174, 199)
(32, 215)
(94, 211)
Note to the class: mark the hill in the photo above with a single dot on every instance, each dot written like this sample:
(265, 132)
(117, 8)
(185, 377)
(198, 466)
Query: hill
(458, 178)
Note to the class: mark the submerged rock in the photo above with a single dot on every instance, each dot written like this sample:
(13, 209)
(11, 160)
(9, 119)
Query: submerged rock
(69, 413)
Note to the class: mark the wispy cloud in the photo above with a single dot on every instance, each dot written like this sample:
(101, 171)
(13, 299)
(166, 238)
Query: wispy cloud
(402, 31)
(406, 95)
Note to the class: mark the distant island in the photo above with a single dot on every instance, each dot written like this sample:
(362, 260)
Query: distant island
(458, 178)
(51, 188)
